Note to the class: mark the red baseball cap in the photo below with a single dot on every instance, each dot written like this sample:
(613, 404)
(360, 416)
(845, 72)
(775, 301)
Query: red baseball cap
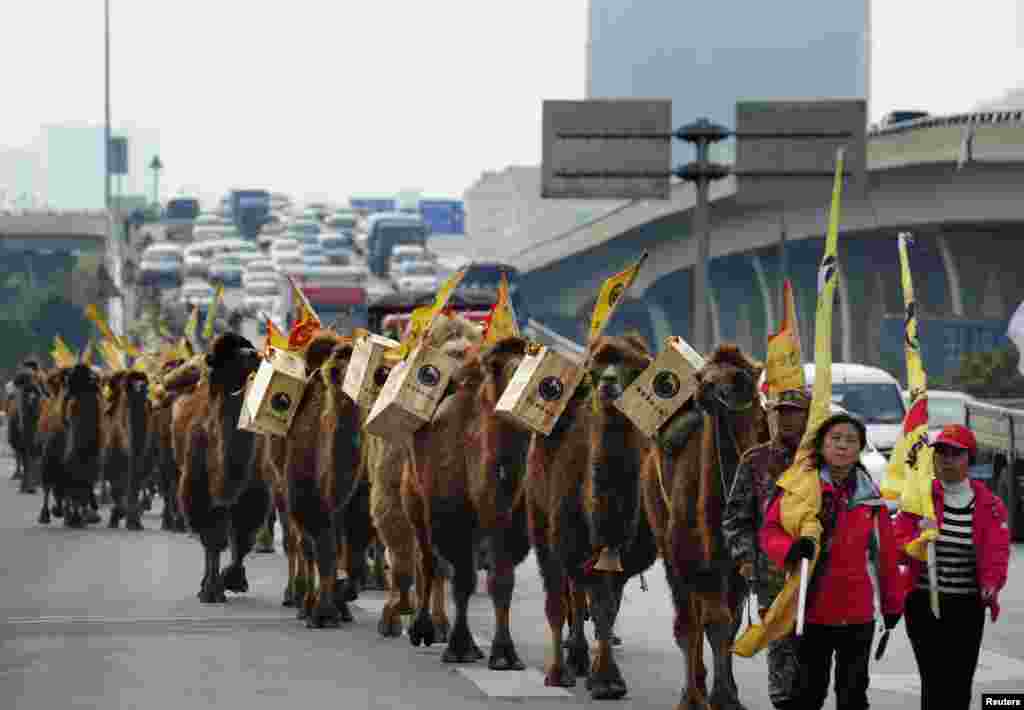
(957, 436)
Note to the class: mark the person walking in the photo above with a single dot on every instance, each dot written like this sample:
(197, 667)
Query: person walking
(857, 546)
(752, 490)
(972, 555)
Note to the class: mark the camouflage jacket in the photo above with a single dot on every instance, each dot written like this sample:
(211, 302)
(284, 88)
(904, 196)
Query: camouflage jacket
(753, 489)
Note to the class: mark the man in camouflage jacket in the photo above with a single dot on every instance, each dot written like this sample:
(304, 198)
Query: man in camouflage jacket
(752, 490)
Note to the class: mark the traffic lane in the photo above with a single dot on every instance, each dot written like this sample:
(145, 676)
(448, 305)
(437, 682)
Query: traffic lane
(117, 582)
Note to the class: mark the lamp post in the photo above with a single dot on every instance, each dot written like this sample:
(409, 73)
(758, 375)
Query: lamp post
(156, 166)
(106, 85)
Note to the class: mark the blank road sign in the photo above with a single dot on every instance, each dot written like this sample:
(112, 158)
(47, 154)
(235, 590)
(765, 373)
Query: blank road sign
(799, 154)
(633, 155)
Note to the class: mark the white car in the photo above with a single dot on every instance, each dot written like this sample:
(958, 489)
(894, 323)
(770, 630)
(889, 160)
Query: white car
(284, 245)
(197, 293)
(289, 262)
(226, 269)
(197, 260)
(258, 270)
(262, 295)
(405, 253)
(416, 276)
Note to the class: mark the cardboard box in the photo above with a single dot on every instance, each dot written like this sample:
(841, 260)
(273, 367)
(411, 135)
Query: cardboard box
(367, 372)
(662, 388)
(272, 398)
(411, 393)
(540, 389)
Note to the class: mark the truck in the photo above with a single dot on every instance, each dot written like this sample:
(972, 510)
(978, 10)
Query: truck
(250, 210)
(179, 217)
(1000, 435)
(337, 294)
(386, 230)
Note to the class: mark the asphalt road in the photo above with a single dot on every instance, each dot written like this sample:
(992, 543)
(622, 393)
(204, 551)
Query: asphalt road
(109, 619)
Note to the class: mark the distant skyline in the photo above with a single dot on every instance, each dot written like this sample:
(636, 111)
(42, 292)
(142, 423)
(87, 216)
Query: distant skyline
(327, 100)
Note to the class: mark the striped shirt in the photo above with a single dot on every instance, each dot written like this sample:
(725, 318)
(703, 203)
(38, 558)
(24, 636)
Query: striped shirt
(954, 552)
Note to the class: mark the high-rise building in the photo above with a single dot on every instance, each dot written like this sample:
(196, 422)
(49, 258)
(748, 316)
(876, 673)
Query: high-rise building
(707, 56)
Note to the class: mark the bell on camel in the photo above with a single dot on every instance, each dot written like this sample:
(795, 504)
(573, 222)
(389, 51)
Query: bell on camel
(608, 561)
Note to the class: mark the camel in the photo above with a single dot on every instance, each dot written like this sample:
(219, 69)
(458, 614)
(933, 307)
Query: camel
(126, 459)
(583, 498)
(685, 483)
(462, 485)
(220, 492)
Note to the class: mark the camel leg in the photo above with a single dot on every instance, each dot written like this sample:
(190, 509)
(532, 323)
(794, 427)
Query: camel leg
(214, 538)
(291, 591)
(247, 515)
(724, 693)
(689, 636)
(402, 572)
(308, 574)
(462, 648)
(439, 608)
(508, 545)
(354, 528)
(555, 598)
(44, 514)
(325, 613)
(605, 681)
(422, 628)
(578, 650)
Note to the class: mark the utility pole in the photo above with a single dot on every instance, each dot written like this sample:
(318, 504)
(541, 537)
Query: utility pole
(156, 166)
(106, 85)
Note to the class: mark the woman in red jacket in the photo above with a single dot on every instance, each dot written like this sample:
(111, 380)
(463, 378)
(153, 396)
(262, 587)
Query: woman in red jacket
(858, 547)
(972, 555)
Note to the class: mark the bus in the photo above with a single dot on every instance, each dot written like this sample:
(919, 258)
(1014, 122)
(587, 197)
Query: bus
(250, 210)
(387, 230)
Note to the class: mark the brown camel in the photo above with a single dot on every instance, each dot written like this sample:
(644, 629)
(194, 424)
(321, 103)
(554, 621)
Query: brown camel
(583, 498)
(686, 481)
(462, 485)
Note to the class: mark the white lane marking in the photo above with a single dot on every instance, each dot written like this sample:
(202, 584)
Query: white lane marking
(512, 684)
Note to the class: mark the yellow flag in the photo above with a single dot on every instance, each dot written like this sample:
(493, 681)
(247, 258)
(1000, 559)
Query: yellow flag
(275, 338)
(93, 314)
(419, 322)
(800, 483)
(911, 467)
(86, 355)
(114, 356)
(192, 327)
(212, 314)
(501, 321)
(613, 290)
(444, 294)
(303, 312)
(784, 365)
(62, 355)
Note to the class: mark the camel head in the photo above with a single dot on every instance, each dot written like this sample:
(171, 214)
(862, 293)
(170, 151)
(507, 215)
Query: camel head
(231, 360)
(616, 362)
(727, 382)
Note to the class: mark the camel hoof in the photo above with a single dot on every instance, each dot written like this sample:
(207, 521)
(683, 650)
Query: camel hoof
(578, 658)
(442, 629)
(724, 700)
(58, 511)
(211, 595)
(560, 677)
(92, 517)
(233, 579)
(44, 517)
(389, 628)
(326, 616)
(616, 641)
(422, 631)
(504, 657)
(606, 689)
(345, 613)
(133, 525)
(27, 489)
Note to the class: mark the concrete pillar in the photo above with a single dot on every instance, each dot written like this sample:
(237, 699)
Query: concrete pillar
(952, 275)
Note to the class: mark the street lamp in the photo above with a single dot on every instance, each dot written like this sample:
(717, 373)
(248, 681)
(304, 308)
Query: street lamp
(156, 166)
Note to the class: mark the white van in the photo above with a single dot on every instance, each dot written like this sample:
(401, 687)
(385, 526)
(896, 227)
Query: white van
(873, 395)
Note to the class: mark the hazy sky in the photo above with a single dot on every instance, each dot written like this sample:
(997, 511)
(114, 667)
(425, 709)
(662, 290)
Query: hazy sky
(326, 99)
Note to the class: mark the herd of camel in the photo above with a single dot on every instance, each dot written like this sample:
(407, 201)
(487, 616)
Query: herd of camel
(595, 489)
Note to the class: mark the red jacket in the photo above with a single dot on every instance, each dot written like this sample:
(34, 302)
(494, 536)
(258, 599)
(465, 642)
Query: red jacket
(844, 592)
(991, 533)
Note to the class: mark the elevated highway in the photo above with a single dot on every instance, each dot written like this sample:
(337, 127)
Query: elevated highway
(954, 181)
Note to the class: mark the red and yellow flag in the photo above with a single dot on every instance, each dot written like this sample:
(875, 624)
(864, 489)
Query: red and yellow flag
(612, 293)
(911, 467)
(93, 314)
(305, 322)
(784, 364)
(275, 338)
(501, 321)
(800, 483)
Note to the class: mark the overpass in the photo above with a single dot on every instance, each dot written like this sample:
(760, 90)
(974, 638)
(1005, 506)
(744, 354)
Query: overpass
(53, 230)
(954, 181)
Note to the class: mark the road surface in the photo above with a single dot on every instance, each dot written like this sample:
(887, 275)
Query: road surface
(109, 619)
